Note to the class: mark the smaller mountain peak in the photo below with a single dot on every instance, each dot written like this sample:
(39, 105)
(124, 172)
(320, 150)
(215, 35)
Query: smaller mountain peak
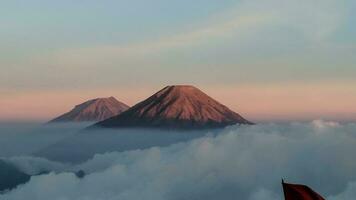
(105, 98)
(93, 110)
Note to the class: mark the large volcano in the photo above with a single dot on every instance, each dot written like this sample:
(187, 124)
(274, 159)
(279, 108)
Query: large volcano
(176, 107)
(93, 110)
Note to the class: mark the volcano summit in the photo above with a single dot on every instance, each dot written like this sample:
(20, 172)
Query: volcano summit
(176, 107)
(93, 110)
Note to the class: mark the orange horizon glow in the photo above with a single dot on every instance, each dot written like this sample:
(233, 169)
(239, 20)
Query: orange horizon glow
(287, 102)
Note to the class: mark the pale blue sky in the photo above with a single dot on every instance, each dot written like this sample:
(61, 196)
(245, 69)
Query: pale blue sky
(48, 46)
(293, 40)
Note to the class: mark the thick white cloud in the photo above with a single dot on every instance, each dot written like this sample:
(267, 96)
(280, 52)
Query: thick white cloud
(245, 162)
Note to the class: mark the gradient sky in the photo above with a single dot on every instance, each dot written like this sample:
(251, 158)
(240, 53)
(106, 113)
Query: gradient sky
(266, 59)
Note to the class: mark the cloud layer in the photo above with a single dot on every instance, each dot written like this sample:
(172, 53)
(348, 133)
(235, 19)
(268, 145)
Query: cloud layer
(238, 163)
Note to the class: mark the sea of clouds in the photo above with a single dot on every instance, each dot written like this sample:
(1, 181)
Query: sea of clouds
(239, 162)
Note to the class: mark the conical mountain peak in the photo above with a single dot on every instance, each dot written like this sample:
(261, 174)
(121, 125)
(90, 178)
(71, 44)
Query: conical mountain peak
(177, 107)
(93, 110)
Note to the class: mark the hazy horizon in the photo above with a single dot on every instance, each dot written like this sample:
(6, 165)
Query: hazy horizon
(269, 60)
(256, 104)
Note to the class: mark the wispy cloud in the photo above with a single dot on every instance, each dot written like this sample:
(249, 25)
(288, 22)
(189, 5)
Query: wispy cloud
(311, 21)
(198, 36)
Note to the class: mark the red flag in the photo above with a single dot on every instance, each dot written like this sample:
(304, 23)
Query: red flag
(299, 192)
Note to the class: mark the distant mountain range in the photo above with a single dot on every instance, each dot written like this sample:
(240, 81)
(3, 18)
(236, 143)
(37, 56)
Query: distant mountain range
(176, 107)
(93, 110)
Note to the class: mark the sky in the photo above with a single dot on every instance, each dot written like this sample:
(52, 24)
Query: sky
(269, 60)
